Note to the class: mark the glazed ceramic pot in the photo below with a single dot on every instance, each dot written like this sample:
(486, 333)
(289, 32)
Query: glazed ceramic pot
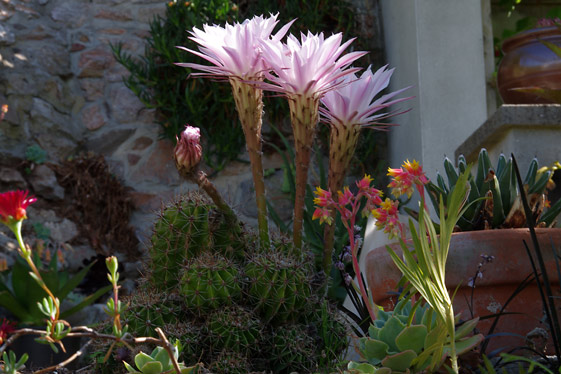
(498, 282)
(529, 63)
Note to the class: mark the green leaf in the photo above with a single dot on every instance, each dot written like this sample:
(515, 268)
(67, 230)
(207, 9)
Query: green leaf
(389, 332)
(466, 328)
(412, 338)
(373, 350)
(400, 361)
(483, 166)
(152, 367)
(361, 367)
(531, 174)
(86, 301)
(451, 172)
(71, 284)
(142, 359)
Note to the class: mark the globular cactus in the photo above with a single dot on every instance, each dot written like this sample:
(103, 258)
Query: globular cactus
(279, 285)
(234, 328)
(399, 342)
(235, 306)
(180, 233)
(230, 362)
(292, 349)
(148, 309)
(208, 282)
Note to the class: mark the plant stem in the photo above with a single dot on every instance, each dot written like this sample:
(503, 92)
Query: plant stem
(304, 117)
(26, 254)
(342, 144)
(249, 103)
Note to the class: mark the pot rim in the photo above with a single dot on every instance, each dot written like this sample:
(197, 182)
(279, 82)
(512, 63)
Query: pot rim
(528, 36)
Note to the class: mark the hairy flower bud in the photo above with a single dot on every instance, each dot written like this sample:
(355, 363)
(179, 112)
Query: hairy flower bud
(188, 150)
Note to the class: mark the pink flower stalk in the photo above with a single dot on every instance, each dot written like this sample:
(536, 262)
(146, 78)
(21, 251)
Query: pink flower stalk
(405, 178)
(304, 70)
(349, 206)
(234, 52)
(348, 109)
(188, 151)
(13, 205)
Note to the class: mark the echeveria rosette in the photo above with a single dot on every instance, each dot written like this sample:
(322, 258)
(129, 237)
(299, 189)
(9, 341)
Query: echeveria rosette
(235, 54)
(304, 70)
(348, 109)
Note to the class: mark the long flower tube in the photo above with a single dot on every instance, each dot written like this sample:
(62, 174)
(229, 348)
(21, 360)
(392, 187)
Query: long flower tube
(348, 109)
(304, 70)
(235, 54)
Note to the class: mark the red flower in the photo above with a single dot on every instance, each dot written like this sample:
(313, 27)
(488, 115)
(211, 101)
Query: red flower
(13, 205)
(6, 328)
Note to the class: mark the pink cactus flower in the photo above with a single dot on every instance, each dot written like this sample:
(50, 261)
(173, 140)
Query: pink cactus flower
(188, 151)
(353, 104)
(234, 50)
(309, 67)
(13, 205)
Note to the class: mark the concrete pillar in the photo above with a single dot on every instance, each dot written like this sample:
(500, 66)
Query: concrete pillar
(437, 46)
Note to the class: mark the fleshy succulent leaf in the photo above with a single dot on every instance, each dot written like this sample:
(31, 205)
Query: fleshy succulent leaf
(152, 367)
(362, 368)
(466, 328)
(373, 350)
(141, 359)
(389, 332)
(400, 361)
(412, 338)
(130, 369)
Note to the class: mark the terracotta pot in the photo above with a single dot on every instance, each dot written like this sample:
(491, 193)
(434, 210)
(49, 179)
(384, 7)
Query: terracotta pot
(529, 63)
(500, 278)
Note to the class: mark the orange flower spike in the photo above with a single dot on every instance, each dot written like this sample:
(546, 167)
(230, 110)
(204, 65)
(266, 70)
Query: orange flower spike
(324, 215)
(416, 171)
(323, 197)
(345, 197)
(364, 183)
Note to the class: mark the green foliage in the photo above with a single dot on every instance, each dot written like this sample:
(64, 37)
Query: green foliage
(20, 292)
(494, 200)
(181, 100)
(157, 362)
(403, 341)
(11, 365)
(35, 154)
(41, 231)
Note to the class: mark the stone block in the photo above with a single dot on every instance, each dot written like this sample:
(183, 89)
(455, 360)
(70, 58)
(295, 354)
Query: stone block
(44, 183)
(72, 14)
(92, 117)
(124, 104)
(528, 131)
(107, 142)
(93, 63)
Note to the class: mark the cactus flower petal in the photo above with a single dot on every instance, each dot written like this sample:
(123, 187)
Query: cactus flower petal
(13, 205)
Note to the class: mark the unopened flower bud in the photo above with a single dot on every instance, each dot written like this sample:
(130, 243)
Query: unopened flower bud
(188, 150)
(112, 264)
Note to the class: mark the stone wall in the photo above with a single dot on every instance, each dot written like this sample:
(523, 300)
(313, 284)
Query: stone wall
(65, 93)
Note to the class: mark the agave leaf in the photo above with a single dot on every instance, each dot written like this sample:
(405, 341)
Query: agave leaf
(412, 338)
(501, 165)
(462, 164)
(498, 212)
(549, 216)
(507, 183)
(540, 184)
(451, 172)
(400, 361)
(442, 184)
(483, 166)
(532, 171)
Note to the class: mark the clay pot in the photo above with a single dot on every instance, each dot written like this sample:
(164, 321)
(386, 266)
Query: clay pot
(500, 278)
(529, 63)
